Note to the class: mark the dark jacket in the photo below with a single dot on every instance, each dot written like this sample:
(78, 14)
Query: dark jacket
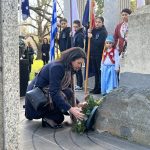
(51, 75)
(29, 52)
(97, 42)
(64, 39)
(45, 49)
(78, 39)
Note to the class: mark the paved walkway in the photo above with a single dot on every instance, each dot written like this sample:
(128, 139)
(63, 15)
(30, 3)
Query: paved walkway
(34, 137)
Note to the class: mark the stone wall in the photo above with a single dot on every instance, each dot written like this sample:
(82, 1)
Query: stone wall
(112, 9)
(136, 68)
(126, 113)
(9, 75)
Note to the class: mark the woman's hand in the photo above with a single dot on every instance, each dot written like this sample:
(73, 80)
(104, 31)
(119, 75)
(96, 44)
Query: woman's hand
(77, 113)
(82, 105)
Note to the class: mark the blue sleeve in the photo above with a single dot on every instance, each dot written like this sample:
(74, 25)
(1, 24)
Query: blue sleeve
(56, 74)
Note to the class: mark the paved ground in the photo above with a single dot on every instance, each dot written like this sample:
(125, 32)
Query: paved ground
(34, 137)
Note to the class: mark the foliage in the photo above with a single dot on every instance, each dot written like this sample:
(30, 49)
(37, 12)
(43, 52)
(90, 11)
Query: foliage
(100, 6)
(79, 126)
(36, 66)
(133, 5)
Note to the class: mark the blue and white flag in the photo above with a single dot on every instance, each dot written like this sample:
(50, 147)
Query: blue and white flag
(25, 9)
(53, 32)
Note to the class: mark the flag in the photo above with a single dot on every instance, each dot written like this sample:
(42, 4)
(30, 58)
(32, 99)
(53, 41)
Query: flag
(86, 16)
(85, 20)
(25, 9)
(71, 11)
(74, 11)
(140, 3)
(53, 32)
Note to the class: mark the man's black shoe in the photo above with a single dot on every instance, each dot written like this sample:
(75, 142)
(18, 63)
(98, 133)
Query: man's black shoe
(96, 92)
(92, 91)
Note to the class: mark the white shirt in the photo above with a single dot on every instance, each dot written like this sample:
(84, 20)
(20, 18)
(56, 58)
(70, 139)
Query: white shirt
(116, 59)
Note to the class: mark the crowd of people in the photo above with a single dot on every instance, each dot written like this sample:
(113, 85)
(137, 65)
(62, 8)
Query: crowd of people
(105, 53)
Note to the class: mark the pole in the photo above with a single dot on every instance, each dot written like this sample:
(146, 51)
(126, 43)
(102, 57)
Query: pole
(88, 51)
(74, 99)
(71, 21)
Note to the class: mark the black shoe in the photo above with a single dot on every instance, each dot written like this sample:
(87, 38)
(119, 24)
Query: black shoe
(92, 91)
(46, 124)
(96, 91)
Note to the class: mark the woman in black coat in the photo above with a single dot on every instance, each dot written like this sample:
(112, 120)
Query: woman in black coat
(57, 76)
(45, 51)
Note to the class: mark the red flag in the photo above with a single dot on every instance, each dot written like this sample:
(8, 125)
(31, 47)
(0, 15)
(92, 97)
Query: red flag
(93, 14)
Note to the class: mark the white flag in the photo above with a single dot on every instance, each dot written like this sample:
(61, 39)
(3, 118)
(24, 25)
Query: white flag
(140, 3)
(71, 11)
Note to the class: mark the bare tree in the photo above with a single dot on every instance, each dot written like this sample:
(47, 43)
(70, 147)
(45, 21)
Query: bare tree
(40, 15)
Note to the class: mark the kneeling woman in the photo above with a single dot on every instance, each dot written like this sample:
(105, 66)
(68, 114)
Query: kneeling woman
(57, 76)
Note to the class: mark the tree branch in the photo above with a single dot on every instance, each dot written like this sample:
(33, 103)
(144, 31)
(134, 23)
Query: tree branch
(37, 10)
(28, 24)
(45, 27)
(34, 41)
(33, 18)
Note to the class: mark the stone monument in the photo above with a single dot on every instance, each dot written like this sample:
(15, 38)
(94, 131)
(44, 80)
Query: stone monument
(112, 11)
(9, 75)
(125, 111)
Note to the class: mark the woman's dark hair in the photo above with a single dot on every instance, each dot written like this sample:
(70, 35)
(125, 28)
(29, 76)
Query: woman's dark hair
(71, 55)
(126, 10)
(46, 40)
(101, 18)
(77, 22)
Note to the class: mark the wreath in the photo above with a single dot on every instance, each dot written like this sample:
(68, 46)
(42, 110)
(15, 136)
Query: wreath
(80, 126)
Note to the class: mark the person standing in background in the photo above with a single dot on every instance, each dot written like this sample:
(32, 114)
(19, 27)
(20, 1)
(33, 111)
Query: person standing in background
(78, 41)
(45, 51)
(64, 39)
(121, 32)
(29, 55)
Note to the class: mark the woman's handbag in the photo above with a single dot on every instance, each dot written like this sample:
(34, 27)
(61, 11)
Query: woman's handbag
(37, 98)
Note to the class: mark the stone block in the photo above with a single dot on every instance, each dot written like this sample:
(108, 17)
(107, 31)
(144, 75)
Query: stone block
(125, 113)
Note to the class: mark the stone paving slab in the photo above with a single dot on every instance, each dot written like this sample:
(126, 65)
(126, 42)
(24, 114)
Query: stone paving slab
(34, 137)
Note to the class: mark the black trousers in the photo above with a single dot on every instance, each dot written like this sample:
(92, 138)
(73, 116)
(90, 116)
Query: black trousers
(45, 59)
(96, 61)
(79, 78)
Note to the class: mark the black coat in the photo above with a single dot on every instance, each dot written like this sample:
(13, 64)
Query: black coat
(29, 52)
(45, 49)
(97, 42)
(78, 39)
(64, 39)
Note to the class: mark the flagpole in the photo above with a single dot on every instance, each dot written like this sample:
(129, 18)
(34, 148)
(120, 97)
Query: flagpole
(71, 20)
(74, 99)
(88, 51)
